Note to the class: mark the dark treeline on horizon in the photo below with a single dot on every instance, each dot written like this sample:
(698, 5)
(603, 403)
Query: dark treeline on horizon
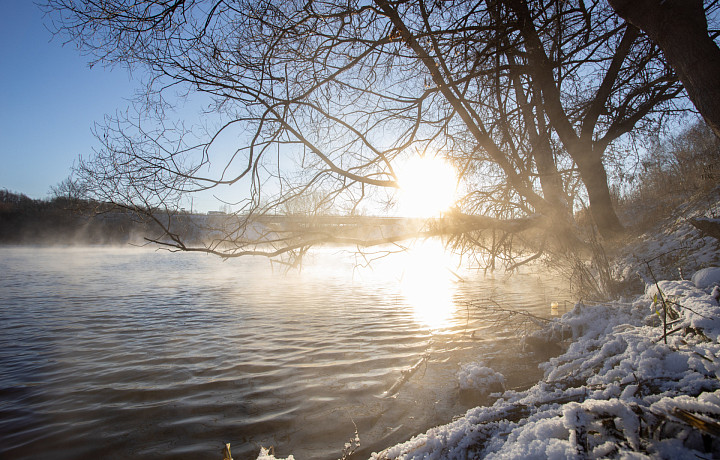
(62, 220)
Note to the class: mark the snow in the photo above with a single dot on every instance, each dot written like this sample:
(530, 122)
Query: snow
(265, 454)
(707, 277)
(477, 377)
(674, 249)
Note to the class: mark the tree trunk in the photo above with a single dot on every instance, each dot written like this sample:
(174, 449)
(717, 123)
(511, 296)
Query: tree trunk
(550, 179)
(679, 27)
(602, 210)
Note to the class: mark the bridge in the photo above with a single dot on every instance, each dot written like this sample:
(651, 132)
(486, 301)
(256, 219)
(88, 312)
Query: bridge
(339, 224)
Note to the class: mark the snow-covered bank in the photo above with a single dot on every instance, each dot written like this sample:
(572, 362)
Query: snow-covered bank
(618, 391)
(673, 248)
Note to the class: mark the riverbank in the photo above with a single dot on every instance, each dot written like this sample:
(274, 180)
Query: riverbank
(626, 387)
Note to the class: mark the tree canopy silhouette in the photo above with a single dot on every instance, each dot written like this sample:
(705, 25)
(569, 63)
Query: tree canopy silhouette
(526, 99)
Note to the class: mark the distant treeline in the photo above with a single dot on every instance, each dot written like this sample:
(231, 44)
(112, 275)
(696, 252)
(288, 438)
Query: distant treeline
(62, 220)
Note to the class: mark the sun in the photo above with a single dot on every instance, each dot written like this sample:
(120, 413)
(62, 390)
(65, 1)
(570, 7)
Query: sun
(428, 187)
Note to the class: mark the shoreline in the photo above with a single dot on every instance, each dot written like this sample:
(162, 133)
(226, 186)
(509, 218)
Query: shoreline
(618, 390)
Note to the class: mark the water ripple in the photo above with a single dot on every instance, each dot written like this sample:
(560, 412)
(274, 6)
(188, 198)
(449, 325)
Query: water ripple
(135, 354)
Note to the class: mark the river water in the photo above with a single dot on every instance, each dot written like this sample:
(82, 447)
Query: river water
(130, 353)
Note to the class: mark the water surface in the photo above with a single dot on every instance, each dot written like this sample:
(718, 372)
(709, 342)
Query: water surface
(130, 353)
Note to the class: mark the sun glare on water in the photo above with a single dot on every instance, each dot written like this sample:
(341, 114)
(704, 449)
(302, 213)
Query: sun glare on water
(426, 275)
(428, 187)
(427, 284)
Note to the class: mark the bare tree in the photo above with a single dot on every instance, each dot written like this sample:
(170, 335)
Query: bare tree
(69, 189)
(525, 99)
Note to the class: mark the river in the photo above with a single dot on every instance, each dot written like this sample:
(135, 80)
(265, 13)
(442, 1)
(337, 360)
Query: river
(132, 353)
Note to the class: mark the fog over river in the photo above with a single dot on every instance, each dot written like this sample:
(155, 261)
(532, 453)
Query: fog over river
(132, 353)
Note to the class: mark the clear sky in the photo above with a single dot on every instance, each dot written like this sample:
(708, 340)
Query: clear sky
(49, 100)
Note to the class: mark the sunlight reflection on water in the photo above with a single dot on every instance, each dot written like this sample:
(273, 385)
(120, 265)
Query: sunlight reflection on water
(428, 284)
(424, 272)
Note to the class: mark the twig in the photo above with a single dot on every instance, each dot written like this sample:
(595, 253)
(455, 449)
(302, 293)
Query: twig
(460, 278)
(498, 307)
(688, 308)
(662, 300)
(352, 445)
(707, 426)
(405, 376)
(664, 336)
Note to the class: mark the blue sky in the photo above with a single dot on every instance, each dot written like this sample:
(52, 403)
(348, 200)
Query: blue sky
(49, 100)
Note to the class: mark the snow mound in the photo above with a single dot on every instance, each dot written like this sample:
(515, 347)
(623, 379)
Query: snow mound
(706, 277)
(619, 391)
(477, 377)
(265, 454)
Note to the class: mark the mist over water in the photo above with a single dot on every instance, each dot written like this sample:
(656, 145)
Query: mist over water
(129, 353)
